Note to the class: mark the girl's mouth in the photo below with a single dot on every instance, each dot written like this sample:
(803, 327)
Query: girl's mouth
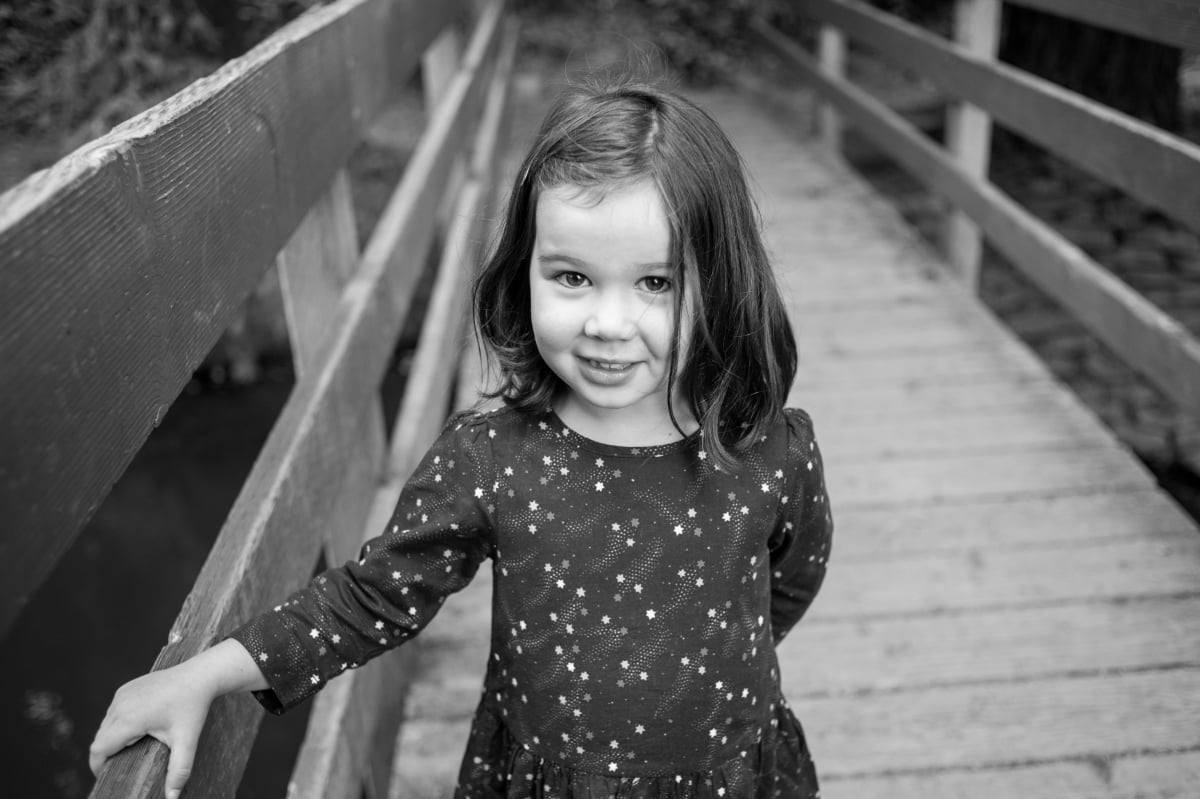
(609, 366)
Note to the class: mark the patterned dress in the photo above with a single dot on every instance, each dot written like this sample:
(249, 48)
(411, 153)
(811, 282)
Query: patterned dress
(639, 594)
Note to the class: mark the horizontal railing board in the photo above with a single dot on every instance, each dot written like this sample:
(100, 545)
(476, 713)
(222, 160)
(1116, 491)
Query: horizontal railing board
(1175, 22)
(1156, 167)
(285, 504)
(1142, 335)
(124, 263)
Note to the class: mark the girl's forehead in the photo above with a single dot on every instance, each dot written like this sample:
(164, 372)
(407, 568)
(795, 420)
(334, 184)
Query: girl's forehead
(629, 217)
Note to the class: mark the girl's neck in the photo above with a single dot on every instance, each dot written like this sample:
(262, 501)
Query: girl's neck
(620, 428)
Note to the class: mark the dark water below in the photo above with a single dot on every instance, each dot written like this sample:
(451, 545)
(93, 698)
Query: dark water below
(103, 615)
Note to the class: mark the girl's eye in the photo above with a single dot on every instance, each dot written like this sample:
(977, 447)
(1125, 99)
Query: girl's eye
(571, 280)
(656, 284)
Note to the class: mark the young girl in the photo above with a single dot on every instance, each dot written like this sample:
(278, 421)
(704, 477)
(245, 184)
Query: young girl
(657, 521)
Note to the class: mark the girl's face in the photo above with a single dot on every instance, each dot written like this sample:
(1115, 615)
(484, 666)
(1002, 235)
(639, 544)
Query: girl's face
(603, 294)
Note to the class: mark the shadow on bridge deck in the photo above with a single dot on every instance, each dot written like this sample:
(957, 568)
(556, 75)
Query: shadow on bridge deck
(1013, 607)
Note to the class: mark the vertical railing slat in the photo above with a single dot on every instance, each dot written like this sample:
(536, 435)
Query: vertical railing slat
(969, 135)
(831, 56)
(314, 267)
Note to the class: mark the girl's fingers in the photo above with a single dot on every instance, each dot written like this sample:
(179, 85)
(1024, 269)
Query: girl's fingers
(107, 743)
(179, 765)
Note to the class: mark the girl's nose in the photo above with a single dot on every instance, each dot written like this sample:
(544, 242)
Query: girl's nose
(609, 318)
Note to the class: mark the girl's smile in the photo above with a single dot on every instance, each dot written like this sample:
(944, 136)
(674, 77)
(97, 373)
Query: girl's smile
(603, 296)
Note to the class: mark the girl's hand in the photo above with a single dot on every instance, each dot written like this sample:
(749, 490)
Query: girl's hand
(171, 706)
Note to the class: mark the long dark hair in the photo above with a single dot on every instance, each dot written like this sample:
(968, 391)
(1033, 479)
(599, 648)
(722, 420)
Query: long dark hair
(742, 356)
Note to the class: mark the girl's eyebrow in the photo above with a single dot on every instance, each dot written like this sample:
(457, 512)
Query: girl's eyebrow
(579, 263)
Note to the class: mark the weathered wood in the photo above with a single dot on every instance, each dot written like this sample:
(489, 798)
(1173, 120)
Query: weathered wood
(1174, 22)
(1143, 336)
(1009, 644)
(416, 203)
(1009, 723)
(831, 44)
(377, 698)
(943, 582)
(124, 262)
(427, 392)
(1001, 523)
(1045, 429)
(969, 134)
(950, 478)
(1156, 167)
(428, 756)
(952, 363)
(1162, 776)
(287, 501)
(314, 267)
(852, 404)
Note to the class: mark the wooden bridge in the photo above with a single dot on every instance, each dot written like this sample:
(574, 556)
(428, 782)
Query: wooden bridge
(1013, 608)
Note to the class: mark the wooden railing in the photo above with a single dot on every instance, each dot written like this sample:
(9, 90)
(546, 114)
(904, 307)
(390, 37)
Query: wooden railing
(1155, 167)
(123, 264)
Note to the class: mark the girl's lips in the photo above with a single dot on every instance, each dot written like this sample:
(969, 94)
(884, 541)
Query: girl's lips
(612, 366)
(606, 373)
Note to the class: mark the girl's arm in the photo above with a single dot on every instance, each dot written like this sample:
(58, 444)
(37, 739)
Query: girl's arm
(800, 544)
(171, 705)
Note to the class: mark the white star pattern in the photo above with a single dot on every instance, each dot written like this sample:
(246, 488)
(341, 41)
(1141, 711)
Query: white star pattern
(589, 631)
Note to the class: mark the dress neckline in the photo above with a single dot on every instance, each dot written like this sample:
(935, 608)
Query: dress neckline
(562, 430)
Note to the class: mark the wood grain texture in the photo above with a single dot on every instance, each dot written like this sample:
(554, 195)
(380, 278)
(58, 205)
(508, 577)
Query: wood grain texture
(1174, 22)
(1154, 166)
(1144, 337)
(997, 725)
(863, 657)
(1027, 430)
(968, 135)
(369, 713)
(124, 262)
(287, 502)
(996, 524)
(1161, 776)
(942, 582)
(849, 404)
(314, 267)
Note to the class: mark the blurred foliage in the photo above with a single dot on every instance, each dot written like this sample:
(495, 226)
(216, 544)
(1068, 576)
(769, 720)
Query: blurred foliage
(83, 65)
(698, 40)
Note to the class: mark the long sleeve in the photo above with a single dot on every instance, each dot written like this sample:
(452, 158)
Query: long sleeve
(433, 545)
(800, 543)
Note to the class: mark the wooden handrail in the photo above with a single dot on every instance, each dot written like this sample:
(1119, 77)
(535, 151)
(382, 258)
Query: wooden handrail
(1149, 163)
(1175, 22)
(1158, 168)
(124, 262)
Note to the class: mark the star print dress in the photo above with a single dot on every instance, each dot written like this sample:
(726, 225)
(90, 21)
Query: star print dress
(639, 594)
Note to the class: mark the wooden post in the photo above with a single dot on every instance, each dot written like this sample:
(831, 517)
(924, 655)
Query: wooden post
(439, 65)
(831, 55)
(969, 135)
(314, 267)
